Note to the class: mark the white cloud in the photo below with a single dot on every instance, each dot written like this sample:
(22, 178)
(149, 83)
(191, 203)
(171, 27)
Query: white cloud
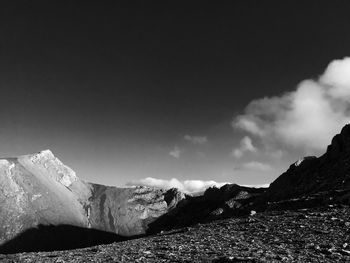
(256, 166)
(196, 139)
(256, 185)
(187, 186)
(337, 76)
(246, 145)
(176, 152)
(306, 119)
(193, 186)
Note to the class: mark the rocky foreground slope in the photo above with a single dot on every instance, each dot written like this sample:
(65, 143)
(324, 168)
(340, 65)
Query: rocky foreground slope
(305, 235)
(38, 193)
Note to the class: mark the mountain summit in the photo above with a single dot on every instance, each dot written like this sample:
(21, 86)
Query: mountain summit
(39, 190)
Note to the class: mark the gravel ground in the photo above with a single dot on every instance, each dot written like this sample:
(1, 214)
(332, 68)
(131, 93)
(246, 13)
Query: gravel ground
(305, 235)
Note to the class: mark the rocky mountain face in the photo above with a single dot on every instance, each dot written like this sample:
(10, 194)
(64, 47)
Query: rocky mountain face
(39, 190)
(311, 175)
(227, 201)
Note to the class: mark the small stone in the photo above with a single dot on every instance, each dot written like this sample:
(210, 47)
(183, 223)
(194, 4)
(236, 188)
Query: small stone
(310, 245)
(252, 213)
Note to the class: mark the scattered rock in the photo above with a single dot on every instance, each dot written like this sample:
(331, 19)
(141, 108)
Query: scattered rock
(226, 240)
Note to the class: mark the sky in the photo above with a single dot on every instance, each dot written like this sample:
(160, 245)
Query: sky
(182, 94)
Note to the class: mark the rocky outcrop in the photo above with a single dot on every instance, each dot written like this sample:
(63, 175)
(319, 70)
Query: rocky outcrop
(312, 175)
(173, 197)
(125, 211)
(39, 190)
(215, 203)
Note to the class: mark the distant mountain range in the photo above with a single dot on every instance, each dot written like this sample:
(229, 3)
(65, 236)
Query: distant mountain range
(45, 206)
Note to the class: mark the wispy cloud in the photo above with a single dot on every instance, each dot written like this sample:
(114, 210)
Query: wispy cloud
(246, 145)
(303, 120)
(196, 139)
(176, 152)
(187, 186)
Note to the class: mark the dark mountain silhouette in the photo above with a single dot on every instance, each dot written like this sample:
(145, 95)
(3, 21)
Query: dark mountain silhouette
(312, 175)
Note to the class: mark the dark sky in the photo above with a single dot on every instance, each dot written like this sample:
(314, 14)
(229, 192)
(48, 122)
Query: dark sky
(111, 88)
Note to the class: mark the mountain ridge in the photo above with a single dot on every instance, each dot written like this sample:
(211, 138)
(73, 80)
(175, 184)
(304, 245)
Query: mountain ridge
(38, 189)
(330, 171)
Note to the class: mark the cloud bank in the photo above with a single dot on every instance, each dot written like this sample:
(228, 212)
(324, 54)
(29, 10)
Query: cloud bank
(187, 186)
(196, 139)
(303, 120)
